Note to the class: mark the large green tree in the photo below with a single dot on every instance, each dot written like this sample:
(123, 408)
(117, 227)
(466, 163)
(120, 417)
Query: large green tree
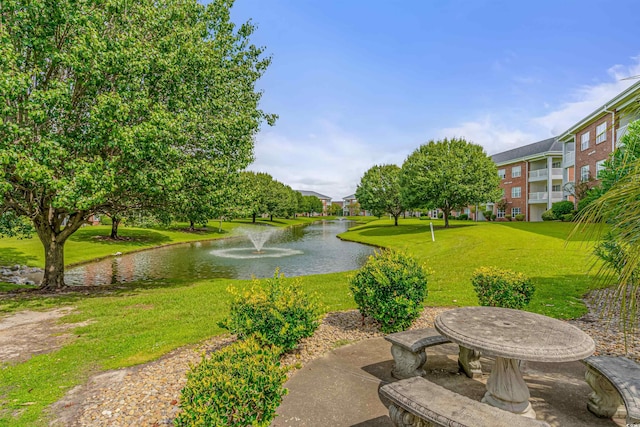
(379, 191)
(448, 174)
(118, 103)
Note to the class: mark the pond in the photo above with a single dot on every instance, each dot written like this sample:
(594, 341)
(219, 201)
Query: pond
(297, 251)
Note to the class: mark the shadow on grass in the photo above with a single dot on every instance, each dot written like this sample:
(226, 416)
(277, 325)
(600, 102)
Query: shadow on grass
(12, 256)
(12, 300)
(130, 237)
(558, 230)
(393, 230)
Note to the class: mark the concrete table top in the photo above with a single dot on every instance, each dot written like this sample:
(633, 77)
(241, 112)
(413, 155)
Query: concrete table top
(515, 334)
(510, 336)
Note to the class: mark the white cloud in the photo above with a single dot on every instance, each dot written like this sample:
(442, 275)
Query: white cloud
(490, 133)
(586, 99)
(497, 134)
(327, 160)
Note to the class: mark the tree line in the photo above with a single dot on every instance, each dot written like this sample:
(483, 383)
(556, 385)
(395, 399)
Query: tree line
(449, 174)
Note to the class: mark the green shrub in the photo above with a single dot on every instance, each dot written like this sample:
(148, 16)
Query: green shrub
(548, 215)
(507, 217)
(390, 288)
(463, 217)
(440, 215)
(240, 385)
(493, 217)
(560, 209)
(487, 215)
(568, 217)
(502, 288)
(105, 220)
(520, 217)
(276, 310)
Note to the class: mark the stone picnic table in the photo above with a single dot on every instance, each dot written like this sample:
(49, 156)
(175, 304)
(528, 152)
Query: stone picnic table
(510, 336)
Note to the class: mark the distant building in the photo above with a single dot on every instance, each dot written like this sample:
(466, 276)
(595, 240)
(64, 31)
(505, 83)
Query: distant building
(326, 200)
(530, 178)
(351, 207)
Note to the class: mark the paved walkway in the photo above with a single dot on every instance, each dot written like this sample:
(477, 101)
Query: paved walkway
(341, 388)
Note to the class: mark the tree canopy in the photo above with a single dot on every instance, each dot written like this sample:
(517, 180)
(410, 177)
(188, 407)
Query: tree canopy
(119, 104)
(448, 174)
(379, 191)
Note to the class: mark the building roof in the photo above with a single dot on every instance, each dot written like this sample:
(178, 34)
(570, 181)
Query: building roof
(349, 197)
(313, 193)
(526, 152)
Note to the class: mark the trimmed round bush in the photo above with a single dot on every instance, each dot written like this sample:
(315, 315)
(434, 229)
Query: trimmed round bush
(507, 217)
(520, 217)
(240, 385)
(277, 311)
(560, 209)
(548, 215)
(390, 288)
(487, 215)
(568, 217)
(463, 217)
(502, 288)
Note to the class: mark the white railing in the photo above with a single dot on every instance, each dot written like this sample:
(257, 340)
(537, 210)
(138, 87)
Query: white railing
(569, 158)
(556, 195)
(556, 173)
(539, 174)
(538, 196)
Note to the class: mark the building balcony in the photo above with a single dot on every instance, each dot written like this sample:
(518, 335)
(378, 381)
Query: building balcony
(543, 196)
(569, 159)
(539, 175)
(539, 197)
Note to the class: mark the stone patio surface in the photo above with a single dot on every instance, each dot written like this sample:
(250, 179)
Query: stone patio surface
(341, 388)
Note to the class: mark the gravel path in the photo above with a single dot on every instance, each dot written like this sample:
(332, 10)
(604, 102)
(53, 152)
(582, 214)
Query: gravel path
(148, 395)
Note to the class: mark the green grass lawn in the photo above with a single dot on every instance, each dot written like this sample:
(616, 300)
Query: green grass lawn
(143, 321)
(559, 269)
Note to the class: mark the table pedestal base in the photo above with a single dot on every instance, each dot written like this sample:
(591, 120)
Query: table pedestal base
(507, 390)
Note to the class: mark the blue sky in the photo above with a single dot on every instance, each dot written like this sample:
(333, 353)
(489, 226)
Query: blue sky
(363, 82)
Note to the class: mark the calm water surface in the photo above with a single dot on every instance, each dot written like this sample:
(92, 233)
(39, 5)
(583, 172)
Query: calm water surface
(297, 251)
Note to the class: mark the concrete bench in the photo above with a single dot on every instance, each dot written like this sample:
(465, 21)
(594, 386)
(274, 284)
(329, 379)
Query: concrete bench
(417, 402)
(616, 387)
(409, 356)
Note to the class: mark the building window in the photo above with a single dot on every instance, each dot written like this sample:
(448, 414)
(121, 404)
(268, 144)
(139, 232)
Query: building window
(516, 192)
(599, 168)
(516, 172)
(601, 133)
(500, 213)
(556, 187)
(584, 141)
(515, 211)
(584, 173)
(557, 164)
(502, 173)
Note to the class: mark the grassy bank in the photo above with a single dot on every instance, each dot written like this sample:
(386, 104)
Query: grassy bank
(142, 321)
(559, 269)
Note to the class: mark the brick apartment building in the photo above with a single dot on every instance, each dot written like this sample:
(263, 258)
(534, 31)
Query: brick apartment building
(588, 143)
(531, 178)
(535, 176)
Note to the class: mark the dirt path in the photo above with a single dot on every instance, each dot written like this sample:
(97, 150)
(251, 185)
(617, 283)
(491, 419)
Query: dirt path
(27, 333)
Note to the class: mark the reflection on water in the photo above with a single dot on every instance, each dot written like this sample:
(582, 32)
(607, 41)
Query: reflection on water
(313, 249)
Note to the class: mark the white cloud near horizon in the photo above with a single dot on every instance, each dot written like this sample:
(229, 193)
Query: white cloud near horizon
(497, 135)
(327, 160)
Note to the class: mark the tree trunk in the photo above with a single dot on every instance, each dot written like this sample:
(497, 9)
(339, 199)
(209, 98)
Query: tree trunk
(54, 265)
(395, 218)
(254, 218)
(115, 222)
(445, 213)
(192, 226)
(271, 218)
